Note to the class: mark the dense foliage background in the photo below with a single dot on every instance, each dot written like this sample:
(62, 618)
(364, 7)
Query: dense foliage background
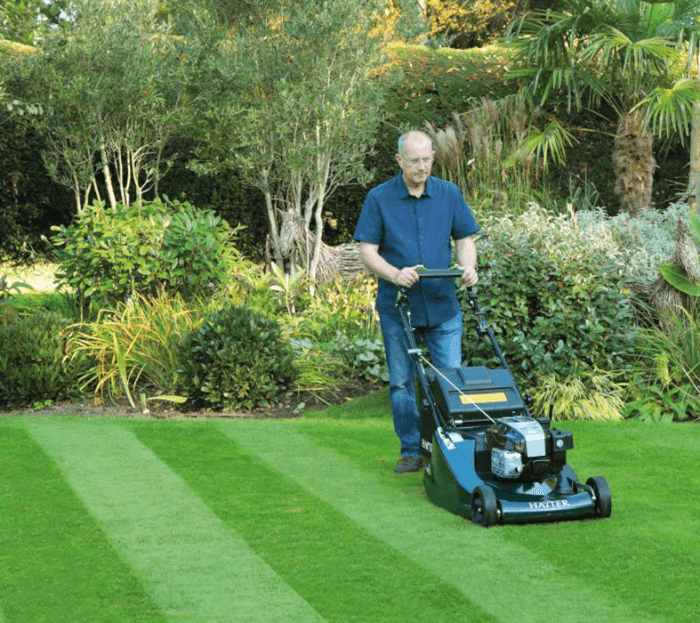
(178, 202)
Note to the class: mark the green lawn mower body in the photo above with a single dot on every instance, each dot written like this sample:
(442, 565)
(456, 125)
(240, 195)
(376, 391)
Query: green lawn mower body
(486, 458)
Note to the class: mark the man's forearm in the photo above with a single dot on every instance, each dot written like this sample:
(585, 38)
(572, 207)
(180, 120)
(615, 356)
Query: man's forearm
(466, 257)
(466, 252)
(377, 264)
(404, 277)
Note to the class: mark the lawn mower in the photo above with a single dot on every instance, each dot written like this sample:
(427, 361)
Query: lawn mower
(486, 458)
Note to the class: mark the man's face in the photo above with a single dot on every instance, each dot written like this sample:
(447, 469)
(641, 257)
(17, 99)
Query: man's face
(416, 161)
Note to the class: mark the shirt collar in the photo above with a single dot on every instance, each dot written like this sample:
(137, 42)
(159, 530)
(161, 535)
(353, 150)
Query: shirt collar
(403, 189)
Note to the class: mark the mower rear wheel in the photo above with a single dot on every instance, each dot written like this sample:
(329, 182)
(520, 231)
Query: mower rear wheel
(484, 506)
(603, 499)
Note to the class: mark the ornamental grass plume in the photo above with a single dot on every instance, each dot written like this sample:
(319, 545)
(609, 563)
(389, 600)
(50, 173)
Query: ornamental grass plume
(449, 150)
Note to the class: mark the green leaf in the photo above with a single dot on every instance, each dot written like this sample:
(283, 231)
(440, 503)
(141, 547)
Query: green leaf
(695, 224)
(679, 279)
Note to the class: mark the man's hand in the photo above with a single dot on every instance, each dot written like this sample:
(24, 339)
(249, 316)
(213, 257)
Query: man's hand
(407, 276)
(469, 277)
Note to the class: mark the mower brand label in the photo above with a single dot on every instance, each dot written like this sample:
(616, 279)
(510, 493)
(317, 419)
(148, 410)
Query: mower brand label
(548, 505)
(468, 399)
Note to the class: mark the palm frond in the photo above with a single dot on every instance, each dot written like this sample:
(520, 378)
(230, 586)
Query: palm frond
(669, 111)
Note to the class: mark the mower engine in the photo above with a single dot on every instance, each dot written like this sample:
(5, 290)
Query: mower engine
(522, 447)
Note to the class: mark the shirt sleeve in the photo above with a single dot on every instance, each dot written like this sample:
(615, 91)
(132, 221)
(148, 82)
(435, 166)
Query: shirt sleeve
(464, 224)
(369, 225)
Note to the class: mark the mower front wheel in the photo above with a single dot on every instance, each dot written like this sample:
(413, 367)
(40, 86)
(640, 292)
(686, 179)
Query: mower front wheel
(603, 499)
(484, 506)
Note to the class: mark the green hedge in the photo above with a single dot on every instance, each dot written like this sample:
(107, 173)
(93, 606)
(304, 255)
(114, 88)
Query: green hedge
(237, 359)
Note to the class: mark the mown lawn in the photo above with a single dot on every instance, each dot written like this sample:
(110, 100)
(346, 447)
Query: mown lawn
(303, 520)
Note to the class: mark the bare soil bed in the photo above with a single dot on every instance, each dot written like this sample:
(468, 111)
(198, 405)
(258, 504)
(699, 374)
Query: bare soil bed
(293, 404)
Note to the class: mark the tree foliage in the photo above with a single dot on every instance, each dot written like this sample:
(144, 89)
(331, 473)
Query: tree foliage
(25, 21)
(108, 92)
(292, 105)
(470, 24)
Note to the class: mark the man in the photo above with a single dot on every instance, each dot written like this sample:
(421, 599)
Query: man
(406, 223)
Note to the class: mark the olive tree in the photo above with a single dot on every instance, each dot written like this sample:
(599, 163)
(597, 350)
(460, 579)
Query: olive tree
(294, 107)
(110, 84)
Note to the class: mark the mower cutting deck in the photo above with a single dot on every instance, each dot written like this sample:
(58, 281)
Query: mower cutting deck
(486, 457)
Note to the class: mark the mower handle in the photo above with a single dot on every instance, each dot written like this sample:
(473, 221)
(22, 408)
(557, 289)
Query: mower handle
(439, 273)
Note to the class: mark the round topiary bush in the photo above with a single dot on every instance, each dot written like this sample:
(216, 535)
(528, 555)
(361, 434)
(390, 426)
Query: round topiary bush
(237, 359)
(33, 365)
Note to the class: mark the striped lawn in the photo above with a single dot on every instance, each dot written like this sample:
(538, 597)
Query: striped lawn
(303, 520)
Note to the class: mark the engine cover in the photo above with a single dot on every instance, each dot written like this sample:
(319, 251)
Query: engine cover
(521, 447)
(522, 434)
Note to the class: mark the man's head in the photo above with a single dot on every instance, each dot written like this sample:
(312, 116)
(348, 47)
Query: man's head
(415, 157)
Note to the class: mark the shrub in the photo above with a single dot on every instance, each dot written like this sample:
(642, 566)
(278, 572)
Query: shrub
(364, 358)
(33, 366)
(648, 240)
(111, 254)
(583, 395)
(331, 326)
(237, 359)
(554, 297)
(666, 383)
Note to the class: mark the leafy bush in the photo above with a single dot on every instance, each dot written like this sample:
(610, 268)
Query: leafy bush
(365, 358)
(648, 240)
(237, 359)
(331, 326)
(554, 297)
(33, 366)
(111, 254)
(338, 323)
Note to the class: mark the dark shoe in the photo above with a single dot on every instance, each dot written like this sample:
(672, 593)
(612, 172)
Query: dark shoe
(408, 464)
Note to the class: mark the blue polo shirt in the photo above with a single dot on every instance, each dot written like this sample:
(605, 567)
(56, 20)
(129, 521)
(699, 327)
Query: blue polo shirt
(417, 230)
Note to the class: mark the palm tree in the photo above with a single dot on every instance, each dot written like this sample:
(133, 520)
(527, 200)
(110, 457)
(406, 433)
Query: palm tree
(624, 53)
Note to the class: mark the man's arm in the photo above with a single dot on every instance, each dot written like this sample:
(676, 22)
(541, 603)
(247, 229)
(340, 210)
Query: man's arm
(405, 277)
(466, 258)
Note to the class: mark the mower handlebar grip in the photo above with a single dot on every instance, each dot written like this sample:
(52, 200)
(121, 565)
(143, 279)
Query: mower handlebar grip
(440, 273)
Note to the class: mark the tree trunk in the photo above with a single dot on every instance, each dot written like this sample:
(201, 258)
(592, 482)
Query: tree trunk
(107, 175)
(273, 227)
(694, 176)
(318, 223)
(634, 164)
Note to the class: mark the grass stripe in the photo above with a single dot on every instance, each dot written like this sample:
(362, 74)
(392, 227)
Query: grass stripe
(347, 574)
(648, 469)
(512, 582)
(645, 549)
(55, 563)
(197, 569)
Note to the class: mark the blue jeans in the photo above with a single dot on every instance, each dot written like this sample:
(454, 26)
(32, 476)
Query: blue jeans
(444, 342)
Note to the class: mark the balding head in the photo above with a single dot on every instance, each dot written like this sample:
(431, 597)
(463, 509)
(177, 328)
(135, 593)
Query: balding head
(413, 137)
